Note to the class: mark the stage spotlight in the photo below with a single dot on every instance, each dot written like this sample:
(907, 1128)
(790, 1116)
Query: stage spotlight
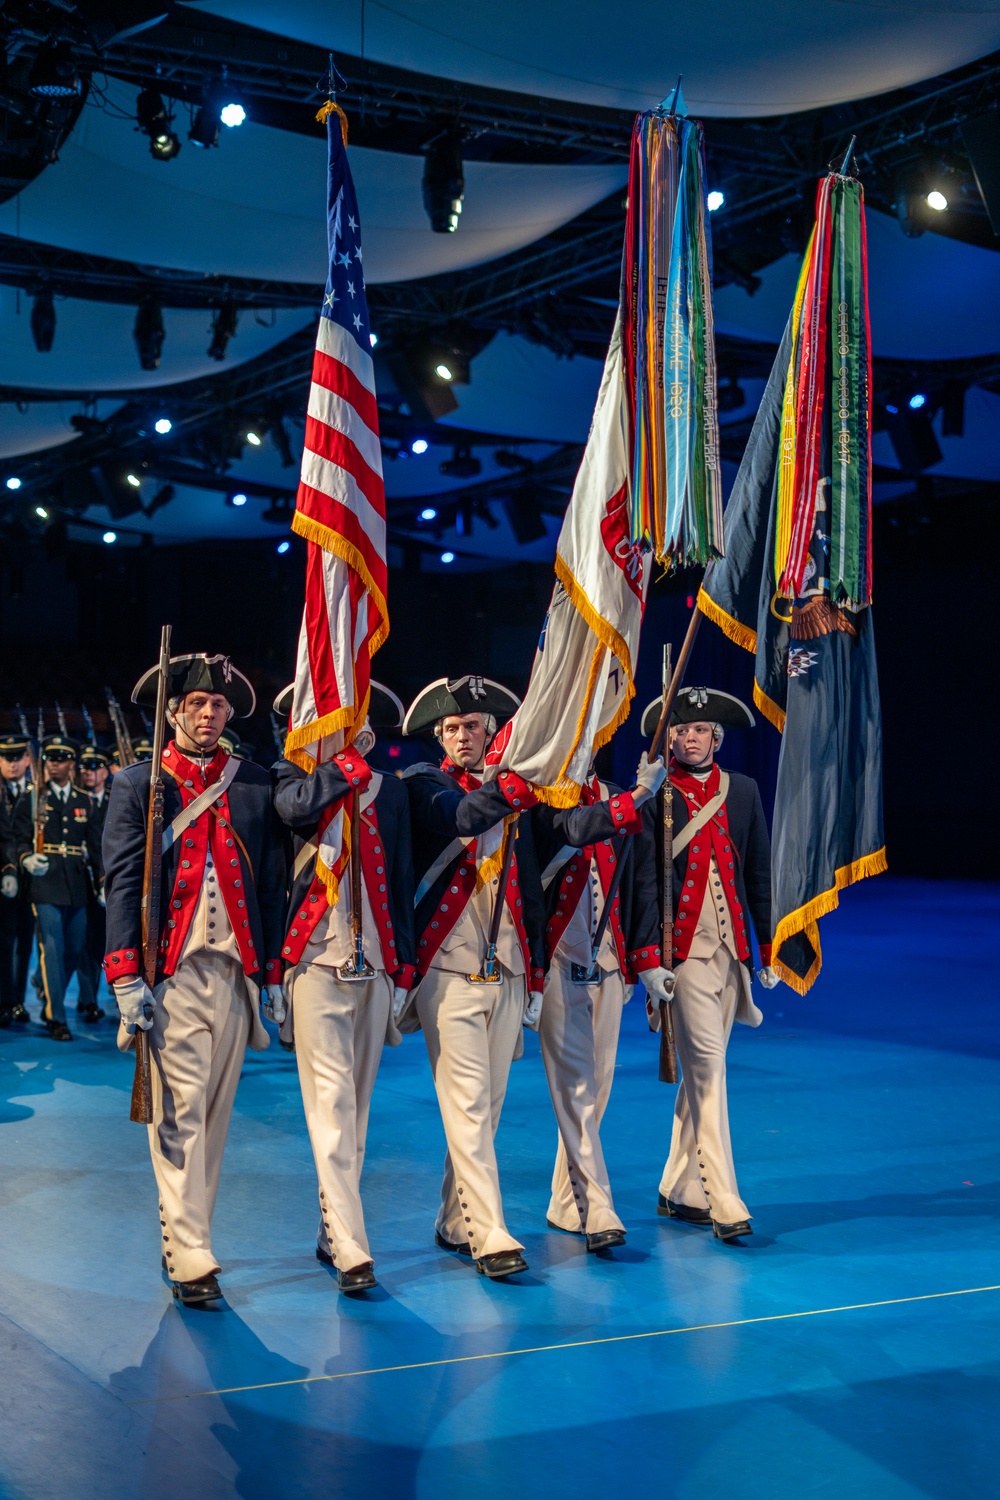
(428, 513)
(444, 183)
(43, 320)
(462, 465)
(419, 445)
(447, 557)
(505, 459)
(149, 333)
(917, 401)
(279, 437)
(109, 537)
(53, 73)
(444, 371)
(373, 339)
(278, 513)
(525, 518)
(133, 480)
(155, 119)
(13, 482)
(283, 547)
(715, 200)
(238, 499)
(232, 115)
(937, 201)
(41, 513)
(254, 438)
(204, 130)
(163, 425)
(223, 328)
(953, 409)
(163, 497)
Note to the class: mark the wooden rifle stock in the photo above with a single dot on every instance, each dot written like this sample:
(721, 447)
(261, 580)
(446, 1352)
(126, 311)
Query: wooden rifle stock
(668, 1050)
(142, 1086)
(123, 740)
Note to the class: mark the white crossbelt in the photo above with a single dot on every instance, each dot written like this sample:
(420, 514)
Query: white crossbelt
(710, 809)
(201, 803)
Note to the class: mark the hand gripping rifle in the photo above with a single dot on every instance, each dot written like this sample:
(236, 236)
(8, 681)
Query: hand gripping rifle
(152, 872)
(359, 969)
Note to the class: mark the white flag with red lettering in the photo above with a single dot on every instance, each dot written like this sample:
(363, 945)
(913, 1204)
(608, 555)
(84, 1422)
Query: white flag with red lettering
(582, 681)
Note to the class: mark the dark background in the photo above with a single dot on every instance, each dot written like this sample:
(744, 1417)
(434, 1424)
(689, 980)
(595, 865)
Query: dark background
(89, 616)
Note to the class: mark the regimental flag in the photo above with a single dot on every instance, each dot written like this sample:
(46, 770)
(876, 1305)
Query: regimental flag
(795, 586)
(649, 481)
(340, 510)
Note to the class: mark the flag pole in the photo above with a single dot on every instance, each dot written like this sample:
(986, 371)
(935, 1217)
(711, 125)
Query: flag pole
(671, 682)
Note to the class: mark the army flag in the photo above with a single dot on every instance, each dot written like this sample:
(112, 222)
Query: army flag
(795, 586)
(340, 510)
(648, 486)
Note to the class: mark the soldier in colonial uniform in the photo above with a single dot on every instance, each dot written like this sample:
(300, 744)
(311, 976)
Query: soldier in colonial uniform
(721, 882)
(17, 923)
(95, 764)
(60, 875)
(219, 939)
(582, 1009)
(342, 1013)
(472, 1029)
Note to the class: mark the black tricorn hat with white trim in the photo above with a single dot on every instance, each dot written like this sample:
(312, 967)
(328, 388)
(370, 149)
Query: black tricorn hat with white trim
(696, 704)
(460, 695)
(200, 673)
(385, 710)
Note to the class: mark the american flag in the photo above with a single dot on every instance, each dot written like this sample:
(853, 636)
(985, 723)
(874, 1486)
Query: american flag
(340, 510)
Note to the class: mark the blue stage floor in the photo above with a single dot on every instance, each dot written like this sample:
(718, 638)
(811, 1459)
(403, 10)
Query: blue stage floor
(851, 1348)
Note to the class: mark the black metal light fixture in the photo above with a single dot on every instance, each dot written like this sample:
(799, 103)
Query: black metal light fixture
(53, 73)
(223, 328)
(156, 120)
(444, 181)
(206, 123)
(43, 320)
(149, 333)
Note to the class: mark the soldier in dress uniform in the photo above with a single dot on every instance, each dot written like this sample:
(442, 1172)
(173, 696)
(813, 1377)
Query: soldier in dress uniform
(582, 1009)
(721, 882)
(220, 927)
(142, 748)
(17, 922)
(95, 767)
(341, 1020)
(60, 876)
(472, 1029)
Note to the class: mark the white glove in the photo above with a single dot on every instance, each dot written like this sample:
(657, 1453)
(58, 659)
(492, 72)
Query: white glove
(650, 776)
(767, 977)
(659, 983)
(274, 1005)
(102, 900)
(8, 886)
(399, 1000)
(136, 1002)
(36, 864)
(533, 1009)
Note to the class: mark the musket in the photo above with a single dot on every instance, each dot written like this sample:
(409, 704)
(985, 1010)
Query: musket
(89, 725)
(152, 872)
(490, 971)
(144, 716)
(359, 968)
(61, 718)
(38, 797)
(578, 973)
(668, 1047)
(126, 754)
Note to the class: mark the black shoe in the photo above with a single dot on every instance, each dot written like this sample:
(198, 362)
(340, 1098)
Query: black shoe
(202, 1289)
(59, 1031)
(324, 1257)
(357, 1279)
(20, 1015)
(731, 1231)
(91, 1015)
(668, 1209)
(444, 1244)
(606, 1239)
(502, 1263)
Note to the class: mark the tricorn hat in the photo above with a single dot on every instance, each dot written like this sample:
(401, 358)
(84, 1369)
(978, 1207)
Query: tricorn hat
(60, 744)
(385, 710)
(460, 695)
(199, 673)
(697, 703)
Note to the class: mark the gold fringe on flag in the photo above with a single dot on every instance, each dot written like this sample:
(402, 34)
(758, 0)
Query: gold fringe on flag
(804, 919)
(331, 107)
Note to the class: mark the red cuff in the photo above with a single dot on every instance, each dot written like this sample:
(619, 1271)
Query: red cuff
(765, 955)
(404, 976)
(124, 964)
(627, 817)
(355, 769)
(518, 793)
(536, 979)
(272, 971)
(640, 959)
